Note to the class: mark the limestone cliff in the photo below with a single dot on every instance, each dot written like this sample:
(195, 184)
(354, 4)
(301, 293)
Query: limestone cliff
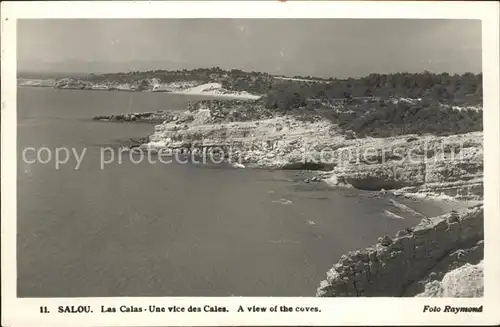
(394, 267)
(411, 165)
(426, 165)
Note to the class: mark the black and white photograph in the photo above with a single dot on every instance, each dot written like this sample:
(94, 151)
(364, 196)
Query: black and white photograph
(249, 157)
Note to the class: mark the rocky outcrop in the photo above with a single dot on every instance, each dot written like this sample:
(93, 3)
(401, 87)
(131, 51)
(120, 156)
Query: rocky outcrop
(393, 266)
(450, 166)
(224, 111)
(410, 165)
(71, 83)
(276, 142)
(83, 84)
(455, 259)
(249, 133)
(465, 281)
(139, 117)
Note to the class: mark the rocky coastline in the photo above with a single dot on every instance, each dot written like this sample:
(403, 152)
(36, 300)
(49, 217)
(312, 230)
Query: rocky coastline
(408, 165)
(144, 85)
(249, 133)
(441, 256)
(422, 261)
(139, 117)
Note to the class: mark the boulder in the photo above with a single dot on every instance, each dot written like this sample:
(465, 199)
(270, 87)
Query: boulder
(465, 281)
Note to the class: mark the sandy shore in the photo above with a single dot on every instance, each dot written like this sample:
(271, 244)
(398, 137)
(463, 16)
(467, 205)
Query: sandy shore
(209, 89)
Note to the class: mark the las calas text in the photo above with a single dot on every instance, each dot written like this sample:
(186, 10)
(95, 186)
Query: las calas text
(154, 308)
(130, 308)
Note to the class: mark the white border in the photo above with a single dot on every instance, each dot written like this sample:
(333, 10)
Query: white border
(358, 311)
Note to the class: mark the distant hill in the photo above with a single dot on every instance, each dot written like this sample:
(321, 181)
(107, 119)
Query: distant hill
(80, 67)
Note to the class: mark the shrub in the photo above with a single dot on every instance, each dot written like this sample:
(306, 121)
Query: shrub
(403, 119)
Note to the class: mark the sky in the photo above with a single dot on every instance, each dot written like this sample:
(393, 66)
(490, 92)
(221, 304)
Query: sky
(307, 47)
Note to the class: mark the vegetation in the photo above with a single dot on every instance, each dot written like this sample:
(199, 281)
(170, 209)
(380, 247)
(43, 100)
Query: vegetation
(235, 79)
(431, 113)
(386, 119)
(288, 94)
(429, 109)
(455, 89)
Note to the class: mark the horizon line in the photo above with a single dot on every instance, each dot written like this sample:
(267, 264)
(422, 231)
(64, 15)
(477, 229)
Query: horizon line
(246, 71)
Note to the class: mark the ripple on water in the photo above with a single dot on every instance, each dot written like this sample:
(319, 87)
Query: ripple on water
(282, 201)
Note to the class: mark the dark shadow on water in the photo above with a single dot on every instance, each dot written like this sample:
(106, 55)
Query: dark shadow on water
(308, 166)
(317, 198)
